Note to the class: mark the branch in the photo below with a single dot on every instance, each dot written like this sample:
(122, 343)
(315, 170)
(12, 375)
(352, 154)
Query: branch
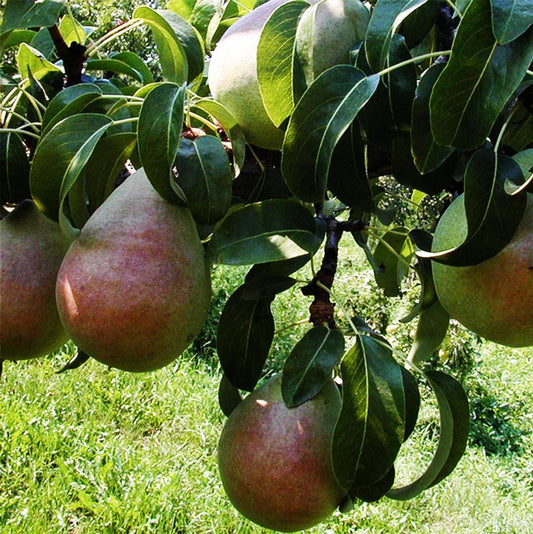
(73, 56)
(321, 309)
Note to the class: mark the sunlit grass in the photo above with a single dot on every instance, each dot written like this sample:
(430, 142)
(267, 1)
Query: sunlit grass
(96, 450)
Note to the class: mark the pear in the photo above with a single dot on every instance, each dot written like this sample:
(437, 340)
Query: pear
(325, 34)
(134, 288)
(275, 462)
(31, 249)
(494, 298)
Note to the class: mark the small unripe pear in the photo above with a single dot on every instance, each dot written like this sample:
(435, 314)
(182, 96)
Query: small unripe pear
(494, 299)
(31, 249)
(275, 462)
(134, 288)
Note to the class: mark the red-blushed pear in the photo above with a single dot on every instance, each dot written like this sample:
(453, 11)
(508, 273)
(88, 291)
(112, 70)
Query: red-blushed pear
(134, 288)
(31, 249)
(494, 299)
(275, 462)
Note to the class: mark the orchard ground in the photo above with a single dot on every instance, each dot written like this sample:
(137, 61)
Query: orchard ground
(97, 450)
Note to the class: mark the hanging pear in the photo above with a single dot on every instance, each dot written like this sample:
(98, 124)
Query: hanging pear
(134, 288)
(31, 249)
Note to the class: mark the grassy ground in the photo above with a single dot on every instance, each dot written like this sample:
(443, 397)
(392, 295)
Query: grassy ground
(102, 451)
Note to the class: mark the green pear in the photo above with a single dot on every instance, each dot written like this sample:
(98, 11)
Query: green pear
(275, 462)
(328, 31)
(31, 249)
(134, 288)
(494, 299)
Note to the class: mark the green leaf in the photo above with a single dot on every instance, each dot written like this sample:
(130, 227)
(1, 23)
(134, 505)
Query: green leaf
(14, 169)
(158, 134)
(59, 157)
(347, 177)
(30, 61)
(269, 279)
(230, 126)
(275, 60)
(510, 19)
(387, 16)
(427, 155)
(412, 402)
(135, 62)
(69, 101)
(105, 164)
(401, 83)
(371, 425)
(430, 332)
(310, 364)
(492, 215)
(30, 14)
(454, 428)
(245, 333)
(374, 492)
(406, 172)
(478, 80)
(265, 231)
(205, 176)
(392, 255)
(172, 53)
(319, 120)
(198, 12)
(114, 65)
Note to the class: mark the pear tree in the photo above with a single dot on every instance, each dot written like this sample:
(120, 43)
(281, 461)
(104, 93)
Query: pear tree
(265, 133)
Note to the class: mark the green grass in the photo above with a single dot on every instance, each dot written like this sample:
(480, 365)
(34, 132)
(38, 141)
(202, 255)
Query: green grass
(96, 450)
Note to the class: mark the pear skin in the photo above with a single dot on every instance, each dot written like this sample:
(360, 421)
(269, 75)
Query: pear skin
(31, 250)
(134, 288)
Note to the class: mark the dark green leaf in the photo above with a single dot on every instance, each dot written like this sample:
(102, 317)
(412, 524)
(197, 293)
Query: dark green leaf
(492, 215)
(418, 24)
(114, 65)
(59, 157)
(510, 18)
(266, 231)
(107, 160)
(412, 402)
(228, 396)
(275, 60)
(14, 169)
(347, 178)
(245, 333)
(205, 176)
(322, 115)
(30, 14)
(401, 84)
(387, 16)
(135, 62)
(427, 155)
(406, 173)
(69, 101)
(371, 425)
(310, 364)
(378, 489)
(478, 80)
(158, 134)
(454, 428)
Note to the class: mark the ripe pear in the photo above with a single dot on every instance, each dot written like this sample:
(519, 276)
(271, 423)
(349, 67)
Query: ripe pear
(494, 299)
(275, 462)
(326, 36)
(134, 288)
(31, 249)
